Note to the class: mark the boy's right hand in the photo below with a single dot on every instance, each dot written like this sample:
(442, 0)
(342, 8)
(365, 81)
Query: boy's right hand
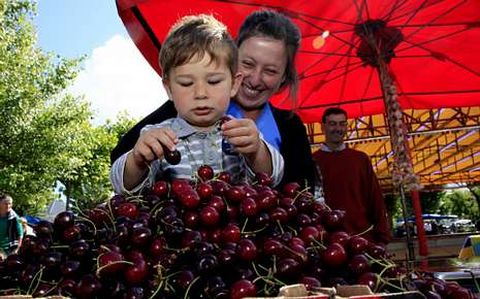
(149, 146)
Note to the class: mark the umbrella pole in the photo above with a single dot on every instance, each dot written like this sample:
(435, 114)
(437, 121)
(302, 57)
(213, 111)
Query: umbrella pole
(410, 247)
(403, 174)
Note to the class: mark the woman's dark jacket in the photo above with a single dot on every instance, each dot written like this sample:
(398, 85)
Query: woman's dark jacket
(295, 147)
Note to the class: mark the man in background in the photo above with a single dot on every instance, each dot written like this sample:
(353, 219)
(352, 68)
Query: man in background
(11, 231)
(349, 181)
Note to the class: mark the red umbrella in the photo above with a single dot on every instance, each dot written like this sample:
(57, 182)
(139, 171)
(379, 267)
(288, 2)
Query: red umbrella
(361, 55)
(429, 46)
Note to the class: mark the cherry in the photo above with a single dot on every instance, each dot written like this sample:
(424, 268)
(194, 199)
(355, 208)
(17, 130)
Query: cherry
(191, 219)
(218, 203)
(44, 228)
(71, 233)
(370, 279)
(334, 255)
(189, 199)
(291, 189)
(206, 264)
(224, 176)
(183, 279)
(135, 274)
(248, 207)
(209, 216)
(231, 233)
(357, 245)
(242, 288)
(359, 264)
(204, 190)
(279, 214)
(246, 250)
(160, 189)
(339, 237)
(157, 247)
(140, 236)
(64, 220)
(235, 194)
(110, 262)
(205, 173)
(263, 179)
(88, 287)
(172, 157)
(311, 283)
(70, 268)
(128, 209)
(333, 219)
(288, 268)
(309, 234)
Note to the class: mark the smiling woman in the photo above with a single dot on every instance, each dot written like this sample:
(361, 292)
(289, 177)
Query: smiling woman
(268, 42)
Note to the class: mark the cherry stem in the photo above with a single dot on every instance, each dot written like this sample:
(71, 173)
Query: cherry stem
(190, 286)
(109, 264)
(280, 226)
(91, 222)
(159, 287)
(36, 279)
(365, 231)
(244, 225)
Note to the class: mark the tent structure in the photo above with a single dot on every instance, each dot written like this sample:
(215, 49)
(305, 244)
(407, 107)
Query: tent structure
(444, 145)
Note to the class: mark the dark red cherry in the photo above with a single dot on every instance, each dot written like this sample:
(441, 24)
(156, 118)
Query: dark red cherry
(205, 173)
(172, 157)
(242, 288)
(160, 189)
(64, 219)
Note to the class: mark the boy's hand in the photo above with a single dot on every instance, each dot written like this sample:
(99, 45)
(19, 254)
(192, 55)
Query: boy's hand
(149, 146)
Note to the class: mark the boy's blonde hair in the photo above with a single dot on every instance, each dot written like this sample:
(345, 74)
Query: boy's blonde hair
(198, 35)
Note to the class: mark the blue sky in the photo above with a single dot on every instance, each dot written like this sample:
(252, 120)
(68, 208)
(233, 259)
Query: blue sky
(115, 75)
(74, 27)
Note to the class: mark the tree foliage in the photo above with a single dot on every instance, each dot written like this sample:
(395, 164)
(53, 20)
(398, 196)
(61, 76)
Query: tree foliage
(46, 134)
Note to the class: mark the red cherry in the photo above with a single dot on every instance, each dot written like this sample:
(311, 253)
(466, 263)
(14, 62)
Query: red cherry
(370, 279)
(263, 179)
(160, 189)
(248, 207)
(359, 264)
(231, 233)
(235, 194)
(110, 262)
(242, 288)
(291, 189)
(246, 250)
(311, 283)
(333, 219)
(357, 245)
(189, 199)
(334, 255)
(204, 190)
(205, 173)
(172, 157)
(209, 216)
(218, 203)
(224, 176)
(340, 237)
(128, 209)
(309, 234)
(135, 274)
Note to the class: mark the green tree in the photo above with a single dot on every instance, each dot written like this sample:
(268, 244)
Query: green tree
(460, 202)
(46, 135)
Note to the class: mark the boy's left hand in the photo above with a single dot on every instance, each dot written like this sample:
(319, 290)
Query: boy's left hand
(242, 134)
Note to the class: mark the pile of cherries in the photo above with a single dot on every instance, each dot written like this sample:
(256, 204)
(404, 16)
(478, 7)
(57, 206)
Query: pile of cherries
(203, 239)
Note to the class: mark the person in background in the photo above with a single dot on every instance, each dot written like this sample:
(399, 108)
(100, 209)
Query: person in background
(11, 231)
(199, 62)
(268, 42)
(349, 182)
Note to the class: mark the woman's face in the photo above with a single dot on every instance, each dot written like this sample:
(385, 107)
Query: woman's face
(262, 61)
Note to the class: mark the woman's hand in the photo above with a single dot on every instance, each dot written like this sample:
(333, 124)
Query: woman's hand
(242, 133)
